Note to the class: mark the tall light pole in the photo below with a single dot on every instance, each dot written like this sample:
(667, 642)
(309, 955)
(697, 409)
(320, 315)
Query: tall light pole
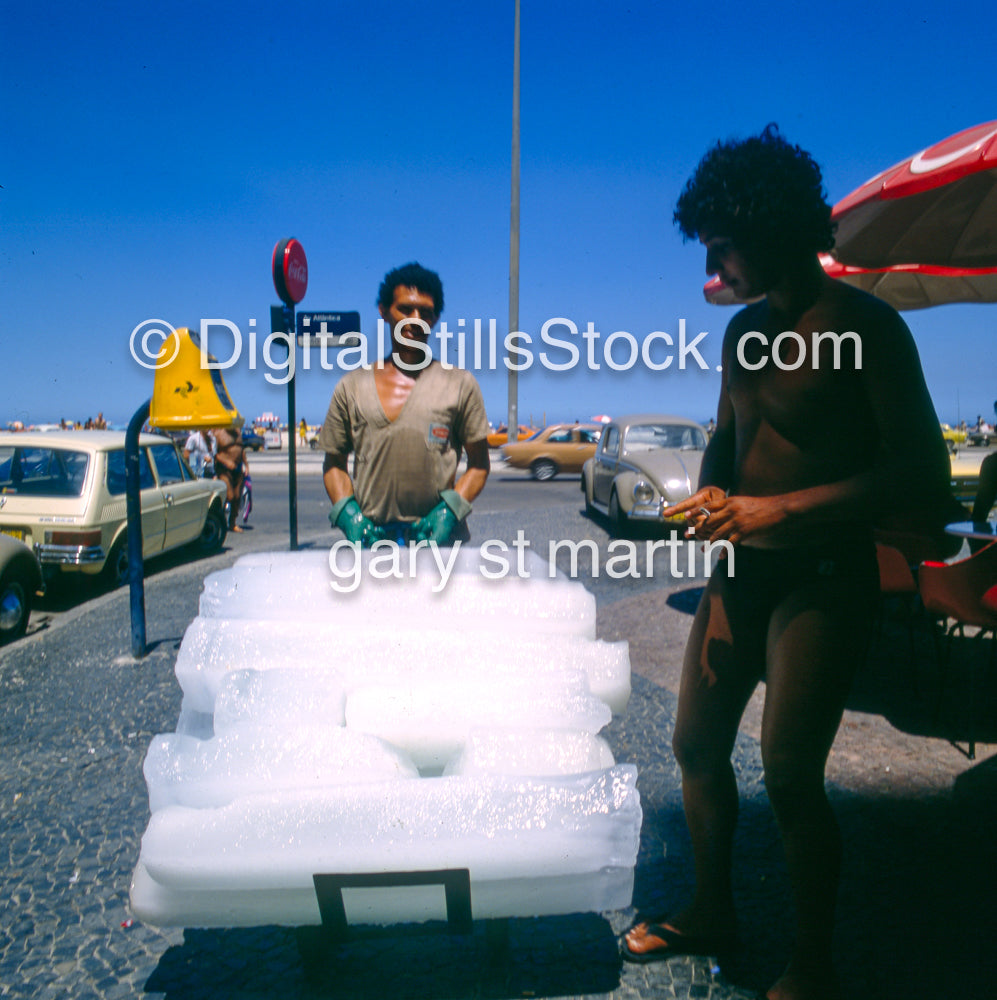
(512, 421)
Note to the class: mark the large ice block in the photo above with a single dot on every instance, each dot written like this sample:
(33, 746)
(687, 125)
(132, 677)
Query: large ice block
(317, 736)
(288, 697)
(507, 831)
(551, 751)
(248, 760)
(431, 722)
(213, 647)
(295, 586)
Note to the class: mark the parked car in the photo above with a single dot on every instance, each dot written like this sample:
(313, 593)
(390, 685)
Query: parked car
(499, 437)
(20, 580)
(954, 436)
(644, 463)
(558, 448)
(252, 440)
(62, 493)
(965, 482)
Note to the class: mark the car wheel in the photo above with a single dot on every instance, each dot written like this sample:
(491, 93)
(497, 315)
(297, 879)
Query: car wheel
(586, 491)
(213, 533)
(543, 469)
(617, 521)
(115, 571)
(15, 605)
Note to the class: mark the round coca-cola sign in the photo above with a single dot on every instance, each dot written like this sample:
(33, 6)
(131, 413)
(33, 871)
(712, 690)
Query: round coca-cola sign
(290, 271)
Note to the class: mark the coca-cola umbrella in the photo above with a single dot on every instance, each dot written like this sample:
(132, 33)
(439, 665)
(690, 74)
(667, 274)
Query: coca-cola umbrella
(904, 286)
(938, 207)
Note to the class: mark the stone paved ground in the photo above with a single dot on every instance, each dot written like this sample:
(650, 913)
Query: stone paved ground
(77, 713)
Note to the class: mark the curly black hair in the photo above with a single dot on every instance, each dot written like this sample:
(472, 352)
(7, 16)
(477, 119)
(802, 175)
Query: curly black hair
(412, 275)
(763, 192)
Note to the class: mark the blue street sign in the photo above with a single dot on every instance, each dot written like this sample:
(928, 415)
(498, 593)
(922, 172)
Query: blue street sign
(332, 328)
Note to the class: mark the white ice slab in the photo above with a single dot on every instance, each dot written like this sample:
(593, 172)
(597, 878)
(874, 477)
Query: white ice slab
(204, 774)
(498, 827)
(287, 698)
(298, 586)
(599, 892)
(432, 721)
(515, 752)
(214, 647)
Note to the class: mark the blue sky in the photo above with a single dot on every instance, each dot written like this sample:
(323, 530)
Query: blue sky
(152, 155)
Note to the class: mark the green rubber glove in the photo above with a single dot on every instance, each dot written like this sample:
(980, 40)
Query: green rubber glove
(438, 525)
(347, 516)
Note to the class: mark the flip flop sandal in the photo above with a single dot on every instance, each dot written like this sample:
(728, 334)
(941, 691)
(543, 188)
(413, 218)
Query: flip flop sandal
(674, 942)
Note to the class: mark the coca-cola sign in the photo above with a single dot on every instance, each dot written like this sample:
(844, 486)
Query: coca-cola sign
(290, 271)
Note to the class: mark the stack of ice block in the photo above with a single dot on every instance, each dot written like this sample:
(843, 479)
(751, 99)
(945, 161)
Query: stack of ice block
(404, 726)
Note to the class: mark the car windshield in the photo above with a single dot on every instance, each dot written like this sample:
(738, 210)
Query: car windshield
(648, 437)
(34, 471)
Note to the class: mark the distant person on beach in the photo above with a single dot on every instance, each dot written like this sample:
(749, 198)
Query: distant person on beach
(230, 467)
(813, 443)
(407, 420)
(198, 450)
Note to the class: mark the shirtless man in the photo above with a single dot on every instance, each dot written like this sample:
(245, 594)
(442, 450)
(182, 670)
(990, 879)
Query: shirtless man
(809, 451)
(230, 467)
(407, 420)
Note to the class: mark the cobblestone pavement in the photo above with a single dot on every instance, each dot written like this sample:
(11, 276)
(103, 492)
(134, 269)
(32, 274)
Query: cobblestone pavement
(917, 905)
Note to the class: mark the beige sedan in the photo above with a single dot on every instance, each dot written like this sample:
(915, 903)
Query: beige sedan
(558, 448)
(62, 493)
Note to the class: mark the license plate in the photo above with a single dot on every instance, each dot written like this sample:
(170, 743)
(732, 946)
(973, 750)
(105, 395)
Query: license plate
(13, 532)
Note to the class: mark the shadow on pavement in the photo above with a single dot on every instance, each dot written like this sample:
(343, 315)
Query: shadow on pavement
(551, 956)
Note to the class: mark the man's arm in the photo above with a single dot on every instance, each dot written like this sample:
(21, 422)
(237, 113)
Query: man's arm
(476, 474)
(335, 477)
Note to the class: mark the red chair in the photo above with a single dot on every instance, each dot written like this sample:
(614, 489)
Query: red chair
(897, 581)
(956, 591)
(989, 600)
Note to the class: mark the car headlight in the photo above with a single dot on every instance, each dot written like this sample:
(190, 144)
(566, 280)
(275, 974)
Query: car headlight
(643, 491)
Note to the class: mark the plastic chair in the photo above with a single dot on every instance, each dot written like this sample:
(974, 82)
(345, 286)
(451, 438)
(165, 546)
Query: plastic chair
(896, 580)
(989, 600)
(956, 591)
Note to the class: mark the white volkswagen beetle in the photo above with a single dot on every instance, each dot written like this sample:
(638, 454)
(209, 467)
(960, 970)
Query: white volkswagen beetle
(644, 463)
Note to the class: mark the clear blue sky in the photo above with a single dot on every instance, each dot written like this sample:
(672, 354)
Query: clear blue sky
(152, 155)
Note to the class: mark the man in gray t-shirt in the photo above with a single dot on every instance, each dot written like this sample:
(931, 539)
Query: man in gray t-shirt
(406, 420)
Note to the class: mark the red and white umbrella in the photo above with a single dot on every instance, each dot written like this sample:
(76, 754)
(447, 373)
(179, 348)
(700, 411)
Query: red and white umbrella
(904, 286)
(938, 207)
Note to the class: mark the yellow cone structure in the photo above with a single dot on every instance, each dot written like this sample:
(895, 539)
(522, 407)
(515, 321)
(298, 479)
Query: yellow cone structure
(189, 392)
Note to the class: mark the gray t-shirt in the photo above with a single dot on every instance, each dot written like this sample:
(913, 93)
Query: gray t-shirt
(400, 466)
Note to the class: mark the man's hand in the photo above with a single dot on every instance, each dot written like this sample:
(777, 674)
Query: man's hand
(438, 525)
(347, 516)
(697, 508)
(713, 516)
